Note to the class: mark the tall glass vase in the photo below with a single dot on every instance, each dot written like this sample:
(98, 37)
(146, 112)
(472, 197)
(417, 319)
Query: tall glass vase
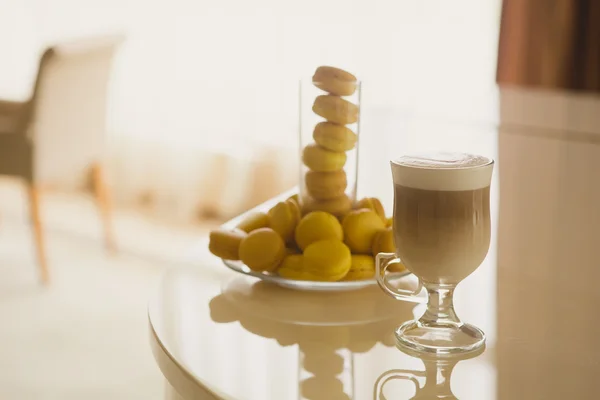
(328, 133)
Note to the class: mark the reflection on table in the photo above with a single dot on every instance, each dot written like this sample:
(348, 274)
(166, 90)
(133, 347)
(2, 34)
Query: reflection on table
(239, 338)
(357, 321)
(329, 330)
(432, 383)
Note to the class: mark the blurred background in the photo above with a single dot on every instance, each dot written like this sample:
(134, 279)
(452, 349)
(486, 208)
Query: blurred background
(144, 124)
(213, 86)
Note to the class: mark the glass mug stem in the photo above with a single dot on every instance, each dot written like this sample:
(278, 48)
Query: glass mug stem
(440, 306)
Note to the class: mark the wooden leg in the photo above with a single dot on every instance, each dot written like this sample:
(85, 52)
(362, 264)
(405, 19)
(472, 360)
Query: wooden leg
(102, 194)
(34, 212)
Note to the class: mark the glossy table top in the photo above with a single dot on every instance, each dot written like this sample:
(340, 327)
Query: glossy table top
(240, 338)
(245, 339)
(218, 334)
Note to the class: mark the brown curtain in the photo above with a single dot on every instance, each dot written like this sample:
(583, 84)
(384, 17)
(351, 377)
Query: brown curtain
(550, 44)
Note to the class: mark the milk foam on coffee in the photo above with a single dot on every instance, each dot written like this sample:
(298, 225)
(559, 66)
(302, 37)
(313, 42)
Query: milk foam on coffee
(443, 171)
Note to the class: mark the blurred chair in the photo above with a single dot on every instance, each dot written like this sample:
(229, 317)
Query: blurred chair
(56, 138)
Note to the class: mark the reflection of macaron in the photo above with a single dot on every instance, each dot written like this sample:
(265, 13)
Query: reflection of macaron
(318, 158)
(326, 185)
(334, 80)
(338, 206)
(362, 267)
(225, 244)
(320, 363)
(334, 137)
(335, 109)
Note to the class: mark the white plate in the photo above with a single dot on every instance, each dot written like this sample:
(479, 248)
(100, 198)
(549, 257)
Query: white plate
(241, 268)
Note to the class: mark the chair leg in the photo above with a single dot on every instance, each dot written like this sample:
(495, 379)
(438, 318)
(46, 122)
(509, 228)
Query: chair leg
(34, 212)
(102, 194)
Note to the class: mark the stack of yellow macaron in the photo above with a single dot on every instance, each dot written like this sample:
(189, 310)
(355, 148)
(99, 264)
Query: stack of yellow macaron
(315, 247)
(326, 180)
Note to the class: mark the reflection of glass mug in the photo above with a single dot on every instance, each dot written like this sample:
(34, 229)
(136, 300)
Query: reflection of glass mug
(437, 376)
(442, 234)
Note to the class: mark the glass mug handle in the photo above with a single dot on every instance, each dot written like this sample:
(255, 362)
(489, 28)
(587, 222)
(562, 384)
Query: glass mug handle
(382, 262)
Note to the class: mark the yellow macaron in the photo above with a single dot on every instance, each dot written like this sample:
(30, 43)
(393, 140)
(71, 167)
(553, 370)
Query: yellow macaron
(334, 80)
(316, 226)
(262, 250)
(329, 260)
(320, 159)
(291, 267)
(360, 226)
(325, 185)
(294, 197)
(383, 242)
(253, 221)
(335, 109)
(225, 243)
(362, 267)
(338, 206)
(372, 203)
(283, 218)
(334, 137)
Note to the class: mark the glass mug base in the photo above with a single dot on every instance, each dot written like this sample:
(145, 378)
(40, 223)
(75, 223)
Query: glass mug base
(439, 337)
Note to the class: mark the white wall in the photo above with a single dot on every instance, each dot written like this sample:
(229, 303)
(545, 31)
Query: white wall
(189, 65)
(223, 75)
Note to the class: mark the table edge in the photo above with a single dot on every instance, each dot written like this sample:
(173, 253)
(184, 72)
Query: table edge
(186, 384)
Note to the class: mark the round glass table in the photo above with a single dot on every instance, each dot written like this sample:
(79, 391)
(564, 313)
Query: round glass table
(217, 334)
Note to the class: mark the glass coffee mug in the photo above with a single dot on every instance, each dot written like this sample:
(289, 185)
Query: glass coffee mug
(442, 234)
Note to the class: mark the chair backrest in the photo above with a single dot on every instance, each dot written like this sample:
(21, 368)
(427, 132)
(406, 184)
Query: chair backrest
(68, 109)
